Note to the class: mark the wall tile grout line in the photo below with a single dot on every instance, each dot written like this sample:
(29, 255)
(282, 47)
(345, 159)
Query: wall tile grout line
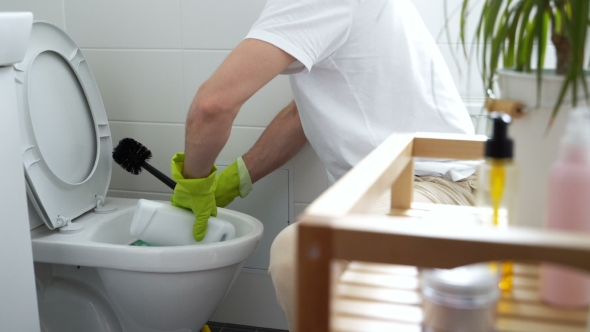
(163, 49)
(176, 123)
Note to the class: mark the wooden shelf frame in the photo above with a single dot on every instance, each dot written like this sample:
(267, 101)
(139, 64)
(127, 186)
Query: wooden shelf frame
(337, 226)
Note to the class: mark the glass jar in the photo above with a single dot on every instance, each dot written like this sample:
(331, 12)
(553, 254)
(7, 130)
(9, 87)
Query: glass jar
(461, 299)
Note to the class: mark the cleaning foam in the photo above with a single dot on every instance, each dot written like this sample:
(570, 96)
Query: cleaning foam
(161, 224)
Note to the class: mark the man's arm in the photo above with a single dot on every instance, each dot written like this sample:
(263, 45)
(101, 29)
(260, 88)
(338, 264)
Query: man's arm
(281, 140)
(250, 66)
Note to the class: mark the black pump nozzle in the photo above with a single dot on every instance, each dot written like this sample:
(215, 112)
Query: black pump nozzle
(499, 145)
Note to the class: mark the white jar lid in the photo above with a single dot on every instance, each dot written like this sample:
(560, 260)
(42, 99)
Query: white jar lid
(471, 286)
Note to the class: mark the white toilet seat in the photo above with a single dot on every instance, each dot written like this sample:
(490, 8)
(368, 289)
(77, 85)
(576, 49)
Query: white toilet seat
(65, 135)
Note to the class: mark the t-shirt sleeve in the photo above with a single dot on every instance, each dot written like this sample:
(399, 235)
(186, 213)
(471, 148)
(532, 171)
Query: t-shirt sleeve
(309, 30)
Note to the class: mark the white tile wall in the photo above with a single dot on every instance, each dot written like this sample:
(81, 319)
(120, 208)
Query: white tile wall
(214, 24)
(310, 177)
(197, 67)
(140, 85)
(145, 24)
(465, 73)
(299, 208)
(44, 10)
(264, 105)
(445, 13)
(244, 302)
(150, 56)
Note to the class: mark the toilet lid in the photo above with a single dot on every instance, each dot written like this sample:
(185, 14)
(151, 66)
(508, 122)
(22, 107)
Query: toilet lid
(65, 135)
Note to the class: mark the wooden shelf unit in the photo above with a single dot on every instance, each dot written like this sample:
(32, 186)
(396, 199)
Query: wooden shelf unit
(337, 227)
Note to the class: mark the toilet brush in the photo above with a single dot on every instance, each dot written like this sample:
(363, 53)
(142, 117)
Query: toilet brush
(133, 156)
(159, 224)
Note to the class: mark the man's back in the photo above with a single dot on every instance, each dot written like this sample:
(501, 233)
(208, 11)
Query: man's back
(366, 69)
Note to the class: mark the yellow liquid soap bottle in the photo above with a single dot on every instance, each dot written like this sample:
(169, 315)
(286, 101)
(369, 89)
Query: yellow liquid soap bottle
(497, 186)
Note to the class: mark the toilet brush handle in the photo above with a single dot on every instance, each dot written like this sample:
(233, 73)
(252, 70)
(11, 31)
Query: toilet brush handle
(161, 176)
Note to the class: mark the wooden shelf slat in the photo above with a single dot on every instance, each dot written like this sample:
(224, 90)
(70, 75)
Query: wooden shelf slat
(519, 325)
(378, 294)
(370, 295)
(541, 312)
(378, 310)
(449, 146)
(381, 280)
(344, 323)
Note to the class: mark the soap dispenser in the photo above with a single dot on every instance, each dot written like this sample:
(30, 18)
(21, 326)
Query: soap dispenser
(497, 176)
(497, 184)
(568, 209)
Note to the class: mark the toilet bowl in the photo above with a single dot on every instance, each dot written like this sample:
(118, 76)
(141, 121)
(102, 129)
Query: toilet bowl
(90, 275)
(95, 280)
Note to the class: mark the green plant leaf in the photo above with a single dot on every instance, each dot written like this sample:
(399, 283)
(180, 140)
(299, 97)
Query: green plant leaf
(491, 20)
(562, 93)
(463, 23)
(528, 44)
(509, 52)
(541, 26)
(513, 31)
(522, 20)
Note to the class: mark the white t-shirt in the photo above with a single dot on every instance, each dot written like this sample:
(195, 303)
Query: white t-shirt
(364, 70)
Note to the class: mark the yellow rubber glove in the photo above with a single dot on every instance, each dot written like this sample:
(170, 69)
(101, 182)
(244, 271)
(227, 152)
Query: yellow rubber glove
(232, 182)
(194, 194)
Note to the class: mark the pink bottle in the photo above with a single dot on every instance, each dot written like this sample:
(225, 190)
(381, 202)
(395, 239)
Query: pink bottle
(568, 209)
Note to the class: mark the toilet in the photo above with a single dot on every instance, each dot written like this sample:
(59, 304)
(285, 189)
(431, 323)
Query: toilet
(90, 275)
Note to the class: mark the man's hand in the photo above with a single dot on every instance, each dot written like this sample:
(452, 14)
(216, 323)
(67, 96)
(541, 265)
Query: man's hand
(194, 194)
(232, 182)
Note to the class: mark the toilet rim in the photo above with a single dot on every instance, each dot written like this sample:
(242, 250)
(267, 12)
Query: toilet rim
(79, 250)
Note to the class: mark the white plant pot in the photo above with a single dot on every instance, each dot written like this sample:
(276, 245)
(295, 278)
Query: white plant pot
(535, 148)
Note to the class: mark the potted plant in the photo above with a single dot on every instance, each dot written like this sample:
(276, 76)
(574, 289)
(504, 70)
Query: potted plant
(513, 37)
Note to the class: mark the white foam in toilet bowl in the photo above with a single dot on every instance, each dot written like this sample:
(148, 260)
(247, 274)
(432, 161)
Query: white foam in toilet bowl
(66, 140)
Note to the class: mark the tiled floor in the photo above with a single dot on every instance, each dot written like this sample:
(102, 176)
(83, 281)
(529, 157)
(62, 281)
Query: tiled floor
(222, 327)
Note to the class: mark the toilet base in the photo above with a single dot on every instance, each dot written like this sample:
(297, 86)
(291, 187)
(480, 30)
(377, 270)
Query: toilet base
(79, 298)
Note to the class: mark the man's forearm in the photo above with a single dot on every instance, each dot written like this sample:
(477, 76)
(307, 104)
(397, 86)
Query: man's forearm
(207, 131)
(251, 65)
(281, 140)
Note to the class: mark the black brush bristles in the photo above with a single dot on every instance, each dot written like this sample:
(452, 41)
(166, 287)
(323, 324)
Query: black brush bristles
(131, 155)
